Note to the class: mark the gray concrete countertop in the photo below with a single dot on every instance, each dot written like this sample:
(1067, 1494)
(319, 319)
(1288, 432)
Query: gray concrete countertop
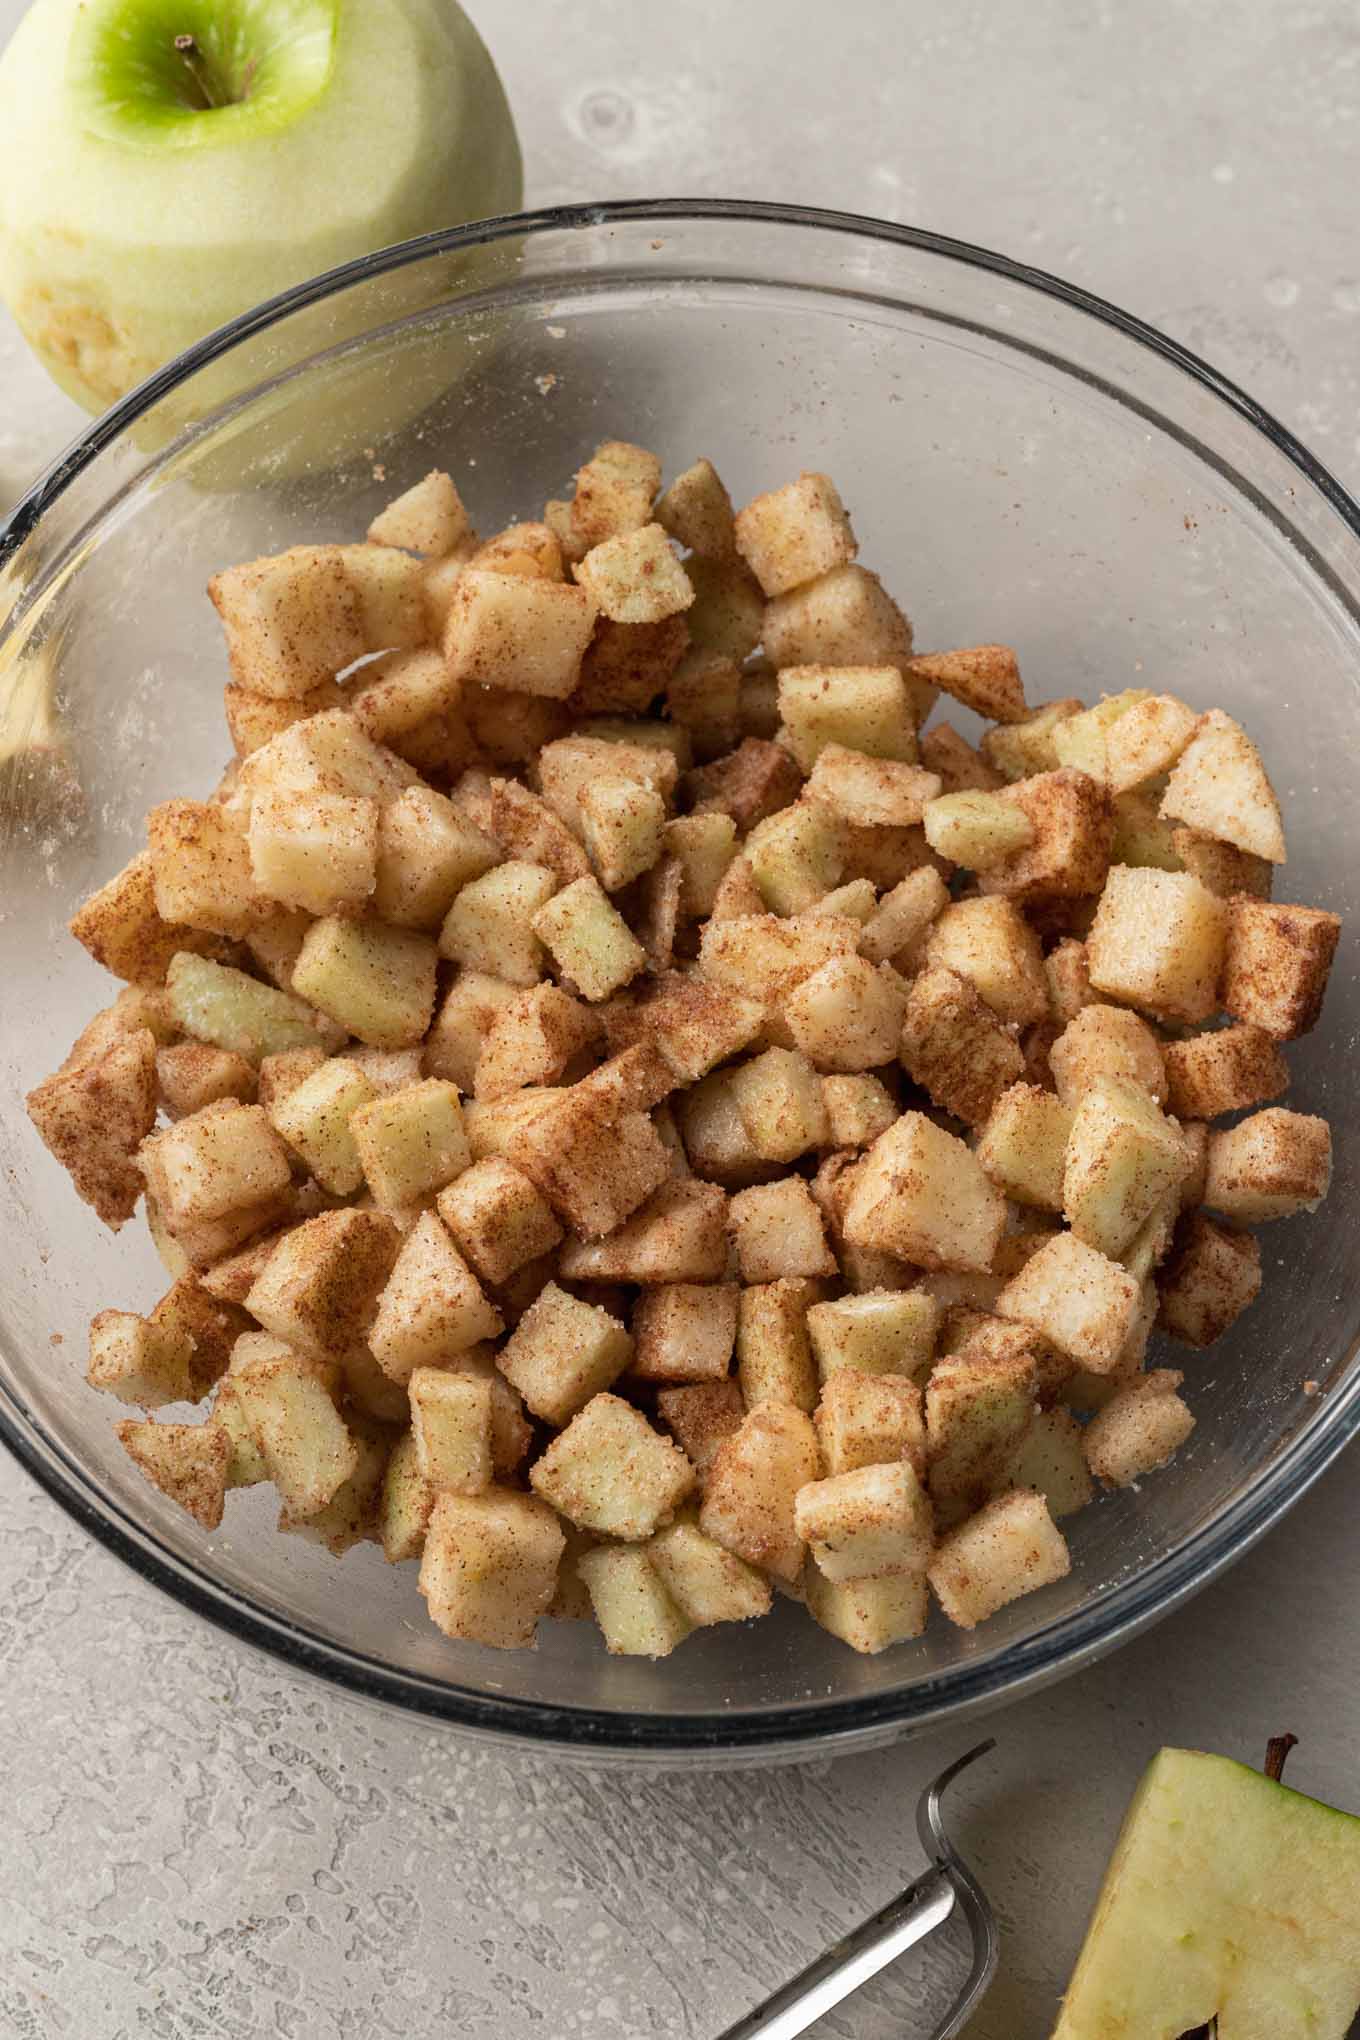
(199, 1846)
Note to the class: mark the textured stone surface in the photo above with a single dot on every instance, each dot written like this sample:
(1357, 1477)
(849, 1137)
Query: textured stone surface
(199, 1846)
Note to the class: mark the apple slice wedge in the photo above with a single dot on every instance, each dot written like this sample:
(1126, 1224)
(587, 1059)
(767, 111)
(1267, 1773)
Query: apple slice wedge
(1229, 1898)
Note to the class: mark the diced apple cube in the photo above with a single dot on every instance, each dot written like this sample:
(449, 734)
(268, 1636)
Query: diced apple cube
(867, 1522)
(703, 846)
(979, 1403)
(1050, 1459)
(774, 1360)
(508, 632)
(254, 718)
(121, 928)
(498, 1218)
(319, 1288)
(635, 577)
(903, 915)
(610, 1472)
(922, 1194)
(1223, 1071)
(985, 678)
(795, 534)
(217, 1004)
(428, 518)
(848, 1014)
(314, 851)
(779, 1097)
(132, 1359)
(1080, 740)
(563, 1352)
(1277, 963)
(1139, 1430)
(327, 753)
(678, 1235)
(777, 1230)
(1146, 741)
(202, 867)
(758, 956)
(219, 1160)
(1222, 868)
(1023, 750)
(976, 829)
(432, 1306)
(707, 1583)
(845, 617)
(1123, 1157)
(956, 1047)
(451, 1423)
(187, 1462)
(1083, 1302)
(588, 939)
(703, 695)
(614, 491)
(697, 512)
(989, 942)
(877, 1332)
(192, 1074)
(1212, 1276)
(1158, 942)
(622, 825)
(637, 1614)
(426, 853)
(411, 1142)
(489, 1566)
(796, 857)
(869, 709)
(377, 981)
(304, 1442)
(685, 1331)
(1024, 1144)
(1270, 1165)
(870, 1420)
(1107, 1041)
(869, 1615)
(701, 1415)
(314, 1118)
(1009, 1548)
(752, 1488)
(405, 1504)
(490, 926)
(532, 1040)
(291, 621)
(1220, 787)
(858, 1109)
(1073, 825)
(750, 784)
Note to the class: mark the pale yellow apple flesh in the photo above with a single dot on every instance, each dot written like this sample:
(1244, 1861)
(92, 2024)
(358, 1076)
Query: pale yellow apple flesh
(1228, 1898)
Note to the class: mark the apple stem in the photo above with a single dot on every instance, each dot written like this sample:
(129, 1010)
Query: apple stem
(1277, 1755)
(192, 57)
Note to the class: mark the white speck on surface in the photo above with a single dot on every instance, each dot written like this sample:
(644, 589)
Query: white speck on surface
(1282, 292)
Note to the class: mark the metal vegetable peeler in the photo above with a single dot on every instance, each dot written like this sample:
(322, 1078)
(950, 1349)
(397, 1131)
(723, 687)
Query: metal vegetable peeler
(910, 1917)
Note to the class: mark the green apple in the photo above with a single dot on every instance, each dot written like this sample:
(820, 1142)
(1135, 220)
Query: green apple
(167, 164)
(1229, 1898)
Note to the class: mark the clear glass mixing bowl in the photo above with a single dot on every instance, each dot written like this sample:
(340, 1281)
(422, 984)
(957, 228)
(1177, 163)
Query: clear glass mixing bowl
(1024, 463)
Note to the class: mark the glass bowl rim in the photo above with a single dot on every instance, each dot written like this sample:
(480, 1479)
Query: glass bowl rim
(1090, 1632)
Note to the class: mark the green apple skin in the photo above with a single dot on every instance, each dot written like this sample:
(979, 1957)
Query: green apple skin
(114, 257)
(1228, 1897)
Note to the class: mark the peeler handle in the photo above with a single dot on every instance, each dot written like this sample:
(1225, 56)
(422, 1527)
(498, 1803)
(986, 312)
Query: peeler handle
(846, 1967)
